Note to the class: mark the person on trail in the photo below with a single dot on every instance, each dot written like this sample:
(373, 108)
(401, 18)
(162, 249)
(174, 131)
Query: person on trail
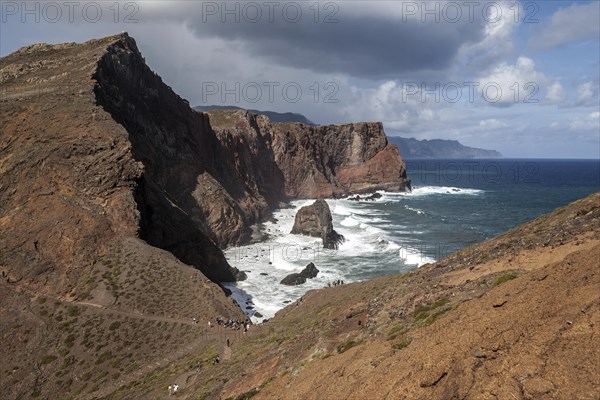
(170, 390)
(209, 325)
(228, 343)
(175, 388)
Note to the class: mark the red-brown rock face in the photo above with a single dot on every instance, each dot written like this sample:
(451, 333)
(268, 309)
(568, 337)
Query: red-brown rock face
(321, 161)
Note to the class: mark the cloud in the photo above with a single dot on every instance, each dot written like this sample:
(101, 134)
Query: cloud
(364, 40)
(579, 22)
(586, 124)
(495, 44)
(556, 93)
(587, 94)
(492, 123)
(509, 84)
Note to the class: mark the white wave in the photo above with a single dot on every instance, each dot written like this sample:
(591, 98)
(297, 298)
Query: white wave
(368, 234)
(340, 209)
(392, 246)
(349, 221)
(428, 190)
(414, 209)
(412, 256)
(431, 190)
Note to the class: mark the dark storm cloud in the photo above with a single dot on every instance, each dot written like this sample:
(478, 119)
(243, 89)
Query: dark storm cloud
(361, 44)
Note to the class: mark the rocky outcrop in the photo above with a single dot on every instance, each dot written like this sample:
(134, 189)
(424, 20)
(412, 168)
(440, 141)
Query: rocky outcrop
(320, 161)
(373, 197)
(272, 115)
(315, 220)
(309, 272)
(101, 147)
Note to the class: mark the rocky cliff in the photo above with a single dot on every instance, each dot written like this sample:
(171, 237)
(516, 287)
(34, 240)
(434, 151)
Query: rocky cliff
(272, 115)
(322, 161)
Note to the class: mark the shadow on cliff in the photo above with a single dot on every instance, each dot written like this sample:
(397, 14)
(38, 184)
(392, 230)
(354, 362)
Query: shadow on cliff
(175, 145)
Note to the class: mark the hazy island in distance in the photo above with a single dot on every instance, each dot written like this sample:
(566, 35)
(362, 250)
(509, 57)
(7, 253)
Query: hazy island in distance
(439, 148)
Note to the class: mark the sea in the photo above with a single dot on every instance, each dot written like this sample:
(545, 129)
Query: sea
(453, 204)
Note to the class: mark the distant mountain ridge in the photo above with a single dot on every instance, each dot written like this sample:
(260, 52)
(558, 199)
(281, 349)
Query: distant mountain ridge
(273, 115)
(439, 148)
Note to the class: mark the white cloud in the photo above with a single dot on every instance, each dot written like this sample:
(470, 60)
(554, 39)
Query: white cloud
(509, 84)
(555, 125)
(556, 93)
(491, 123)
(576, 23)
(587, 94)
(586, 124)
(496, 43)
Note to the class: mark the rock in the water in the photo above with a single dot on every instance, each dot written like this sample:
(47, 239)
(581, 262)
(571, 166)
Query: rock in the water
(310, 271)
(315, 220)
(293, 280)
(374, 196)
(239, 275)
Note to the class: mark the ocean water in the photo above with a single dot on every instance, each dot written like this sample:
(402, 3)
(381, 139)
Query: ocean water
(453, 204)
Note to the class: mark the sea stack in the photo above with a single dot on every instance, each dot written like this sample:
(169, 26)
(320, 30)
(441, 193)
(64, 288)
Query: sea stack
(315, 220)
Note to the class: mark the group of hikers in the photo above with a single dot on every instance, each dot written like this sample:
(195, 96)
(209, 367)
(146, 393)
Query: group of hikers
(335, 283)
(231, 323)
(173, 389)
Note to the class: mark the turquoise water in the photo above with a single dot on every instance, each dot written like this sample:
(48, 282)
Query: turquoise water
(454, 204)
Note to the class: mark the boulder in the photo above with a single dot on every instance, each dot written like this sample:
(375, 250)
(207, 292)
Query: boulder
(309, 272)
(293, 280)
(315, 220)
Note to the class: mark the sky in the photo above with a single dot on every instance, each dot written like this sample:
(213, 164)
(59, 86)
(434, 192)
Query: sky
(520, 77)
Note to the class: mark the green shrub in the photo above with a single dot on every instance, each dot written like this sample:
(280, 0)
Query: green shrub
(504, 278)
(395, 330)
(347, 345)
(48, 359)
(69, 340)
(424, 312)
(402, 343)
